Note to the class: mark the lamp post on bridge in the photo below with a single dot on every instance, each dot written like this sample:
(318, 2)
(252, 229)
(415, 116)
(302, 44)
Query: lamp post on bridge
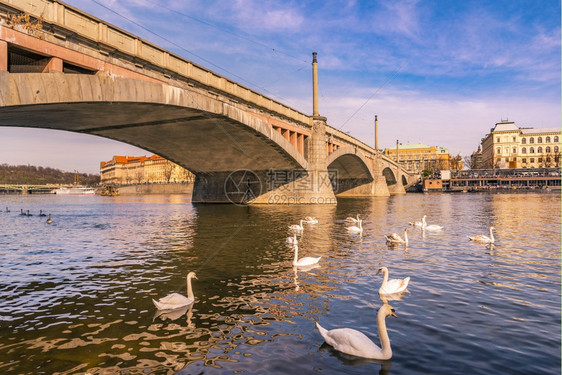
(376, 134)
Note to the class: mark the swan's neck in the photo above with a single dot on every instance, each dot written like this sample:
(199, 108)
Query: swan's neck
(383, 335)
(491, 234)
(189, 290)
(406, 236)
(384, 280)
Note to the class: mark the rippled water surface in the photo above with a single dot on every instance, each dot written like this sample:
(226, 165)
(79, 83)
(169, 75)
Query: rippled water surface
(76, 295)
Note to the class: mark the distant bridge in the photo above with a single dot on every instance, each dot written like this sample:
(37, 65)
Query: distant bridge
(61, 68)
(29, 188)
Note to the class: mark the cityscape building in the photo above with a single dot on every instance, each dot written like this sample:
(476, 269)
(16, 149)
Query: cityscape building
(508, 146)
(127, 170)
(418, 157)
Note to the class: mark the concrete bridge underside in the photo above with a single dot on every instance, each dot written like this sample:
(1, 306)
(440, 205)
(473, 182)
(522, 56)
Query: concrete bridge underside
(209, 137)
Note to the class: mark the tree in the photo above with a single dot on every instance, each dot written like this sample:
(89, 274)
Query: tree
(168, 169)
(467, 161)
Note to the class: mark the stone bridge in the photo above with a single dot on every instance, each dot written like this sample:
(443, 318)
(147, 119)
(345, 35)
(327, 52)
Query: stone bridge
(61, 68)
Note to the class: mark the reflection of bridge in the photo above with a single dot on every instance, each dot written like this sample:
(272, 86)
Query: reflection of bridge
(79, 74)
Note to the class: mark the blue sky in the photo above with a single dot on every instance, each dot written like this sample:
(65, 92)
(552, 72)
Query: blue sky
(438, 72)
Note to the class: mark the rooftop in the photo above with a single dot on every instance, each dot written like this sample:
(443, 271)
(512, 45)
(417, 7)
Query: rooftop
(539, 131)
(505, 126)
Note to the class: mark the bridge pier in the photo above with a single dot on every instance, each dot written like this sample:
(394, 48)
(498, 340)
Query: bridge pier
(311, 185)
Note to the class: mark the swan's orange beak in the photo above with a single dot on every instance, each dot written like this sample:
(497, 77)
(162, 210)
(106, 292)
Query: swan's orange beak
(392, 313)
(195, 277)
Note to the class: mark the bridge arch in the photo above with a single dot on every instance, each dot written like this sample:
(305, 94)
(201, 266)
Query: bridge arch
(351, 170)
(389, 176)
(350, 163)
(184, 126)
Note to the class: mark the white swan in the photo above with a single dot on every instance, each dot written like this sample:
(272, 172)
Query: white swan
(292, 240)
(176, 300)
(305, 261)
(393, 285)
(351, 341)
(418, 223)
(394, 238)
(430, 227)
(349, 219)
(310, 220)
(483, 238)
(355, 229)
(296, 226)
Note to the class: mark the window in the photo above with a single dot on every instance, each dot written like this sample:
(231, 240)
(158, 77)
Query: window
(539, 140)
(498, 139)
(514, 139)
(547, 149)
(531, 150)
(514, 150)
(540, 160)
(548, 159)
(532, 160)
(555, 138)
(524, 160)
(547, 139)
(555, 149)
(498, 150)
(524, 150)
(531, 140)
(524, 140)
(539, 150)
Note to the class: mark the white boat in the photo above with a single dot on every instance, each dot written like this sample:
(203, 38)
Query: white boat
(75, 191)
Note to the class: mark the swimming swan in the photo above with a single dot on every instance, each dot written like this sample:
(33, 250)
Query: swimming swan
(310, 220)
(351, 341)
(296, 226)
(394, 238)
(393, 285)
(430, 227)
(352, 220)
(305, 261)
(355, 229)
(483, 238)
(49, 220)
(176, 300)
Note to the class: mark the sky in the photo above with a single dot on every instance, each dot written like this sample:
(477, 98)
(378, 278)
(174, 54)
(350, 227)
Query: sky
(438, 72)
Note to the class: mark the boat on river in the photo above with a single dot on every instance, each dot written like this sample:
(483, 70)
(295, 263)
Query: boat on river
(75, 191)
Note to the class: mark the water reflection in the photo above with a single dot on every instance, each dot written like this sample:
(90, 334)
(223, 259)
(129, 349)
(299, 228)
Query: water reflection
(78, 294)
(350, 360)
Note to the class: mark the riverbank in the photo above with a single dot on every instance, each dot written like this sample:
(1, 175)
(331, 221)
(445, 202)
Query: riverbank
(147, 189)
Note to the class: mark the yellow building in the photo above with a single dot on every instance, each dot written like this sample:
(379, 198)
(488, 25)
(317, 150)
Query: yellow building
(126, 170)
(418, 157)
(508, 146)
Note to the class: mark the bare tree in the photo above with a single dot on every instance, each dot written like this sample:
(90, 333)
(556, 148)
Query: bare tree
(467, 161)
(168, 169)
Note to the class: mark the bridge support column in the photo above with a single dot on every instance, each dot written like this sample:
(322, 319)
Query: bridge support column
(380, 187)
(3, 56)
(305, 186)
(311, 185)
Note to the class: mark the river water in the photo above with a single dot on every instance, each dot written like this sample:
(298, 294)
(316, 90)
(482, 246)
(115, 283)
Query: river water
(76, 295)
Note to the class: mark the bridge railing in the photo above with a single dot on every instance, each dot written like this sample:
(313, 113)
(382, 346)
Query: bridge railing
(105, 40)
